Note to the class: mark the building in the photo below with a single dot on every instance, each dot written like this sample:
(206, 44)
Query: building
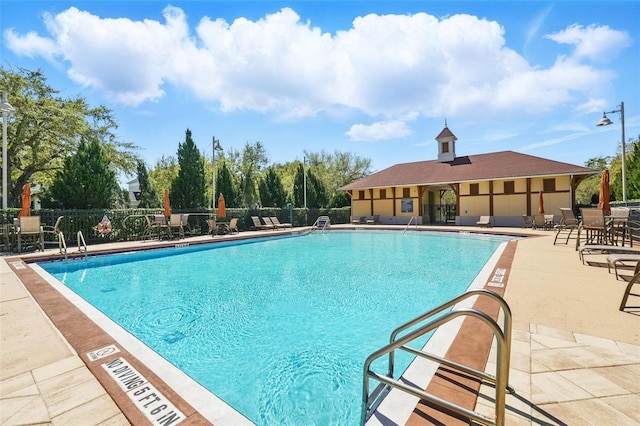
(134, 193)
(504, 185)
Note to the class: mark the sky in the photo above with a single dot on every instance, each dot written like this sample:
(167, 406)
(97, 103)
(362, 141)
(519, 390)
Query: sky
(377, 79)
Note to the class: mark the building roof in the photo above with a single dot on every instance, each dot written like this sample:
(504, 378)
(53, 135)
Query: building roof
(492, 166)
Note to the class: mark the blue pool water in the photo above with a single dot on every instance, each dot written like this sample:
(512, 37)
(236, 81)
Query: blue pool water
(279, 328)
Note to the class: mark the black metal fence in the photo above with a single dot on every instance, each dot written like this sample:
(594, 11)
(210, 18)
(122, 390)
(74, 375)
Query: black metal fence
(130, 224)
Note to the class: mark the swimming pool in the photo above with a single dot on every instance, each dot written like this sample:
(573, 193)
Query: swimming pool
(279, 328)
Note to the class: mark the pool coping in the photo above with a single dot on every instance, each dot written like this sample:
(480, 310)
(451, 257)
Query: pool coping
(85, 336)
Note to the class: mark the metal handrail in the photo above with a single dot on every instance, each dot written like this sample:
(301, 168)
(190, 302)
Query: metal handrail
(410, 220)
(62, 244)
(501, 379)
(84, 244)
(326, 224)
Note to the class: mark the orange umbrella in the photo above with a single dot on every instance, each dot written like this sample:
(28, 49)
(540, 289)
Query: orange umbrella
(167, 205)
(605, 193)
(222, 210)
(540, 203)
(26, 200)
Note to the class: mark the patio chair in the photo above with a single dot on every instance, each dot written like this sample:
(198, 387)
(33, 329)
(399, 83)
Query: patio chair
(233, 226)
(29, 227)
(539, 222)
(186, 228)
(175, 221)
(278, 224)
(568, 223)
(213, 230)
(53, 230)
(484, 221)
(594, 226)
(528, 221)
(268, 223)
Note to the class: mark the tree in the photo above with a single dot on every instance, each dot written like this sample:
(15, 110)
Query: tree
(272, 193)
(316, 193)
(187, 189)
(165, 172)
(254, 159)
(337, 169)
(590, 187)
(633, 170)
(45, 129)
(86, 180)
(227, 186)
(148, 197)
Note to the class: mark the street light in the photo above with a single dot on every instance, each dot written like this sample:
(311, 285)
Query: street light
(304, 179)
(216, 147)
(5, 107)
(604, 121)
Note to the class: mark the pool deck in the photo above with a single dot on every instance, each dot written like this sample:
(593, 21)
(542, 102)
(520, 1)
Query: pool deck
(575, 358)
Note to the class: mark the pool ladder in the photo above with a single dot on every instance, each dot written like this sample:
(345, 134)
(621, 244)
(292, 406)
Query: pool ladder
(501, 379)
(62, 244)
(321, 224)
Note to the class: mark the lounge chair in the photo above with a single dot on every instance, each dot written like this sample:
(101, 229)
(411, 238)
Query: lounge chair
(619, 259)
(359, 220)
(268, 223)
(278, 224)
(257, 225)
(374, 220)
(627, 292)
(29, 226)
(568, 223)
(586, 249)
(484, 221)
(528, 221)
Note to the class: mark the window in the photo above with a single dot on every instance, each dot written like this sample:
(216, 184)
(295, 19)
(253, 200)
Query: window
(445, 147)
(361, 195)
(406, 192)
(509, 187)
(474, 188)
(383, 194)
(549, 185)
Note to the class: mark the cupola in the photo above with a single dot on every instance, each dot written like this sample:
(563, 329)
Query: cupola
(446, 145)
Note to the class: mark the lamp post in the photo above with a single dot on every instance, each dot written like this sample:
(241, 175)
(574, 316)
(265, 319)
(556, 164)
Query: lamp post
(5, 107)
(604, 121)
(304, 179)
(216, 147)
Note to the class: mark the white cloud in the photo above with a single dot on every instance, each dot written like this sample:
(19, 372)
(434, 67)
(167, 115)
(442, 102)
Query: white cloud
(378, 131)
(390, 66)
(597, 43)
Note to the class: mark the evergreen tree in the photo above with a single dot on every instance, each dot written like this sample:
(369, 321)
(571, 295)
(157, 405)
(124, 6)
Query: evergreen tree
(633, 171)
(148, 197)
(316, 192)
(226, 186)
(187, 189)
(298, 187)
(86, 180)
(272, 193)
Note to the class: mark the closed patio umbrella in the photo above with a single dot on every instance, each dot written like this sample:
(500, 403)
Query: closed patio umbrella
(222, 210)
(540, 203)
(605, 193)
(26, 201)
(167, 205)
